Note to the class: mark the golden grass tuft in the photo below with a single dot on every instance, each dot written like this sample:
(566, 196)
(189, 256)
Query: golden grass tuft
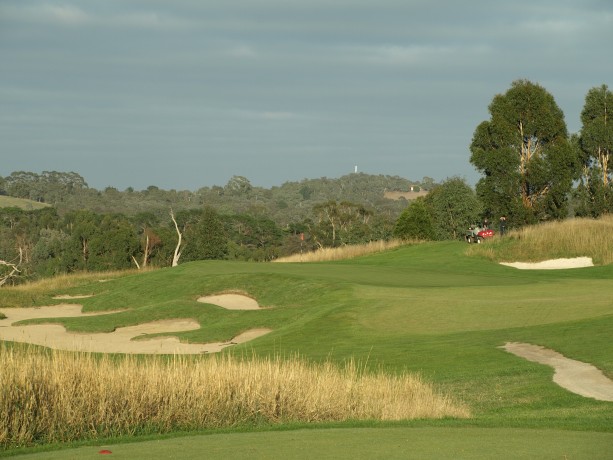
(579, 237)
(36, 292)
(69, 280)
(345, 252)
(60, 397)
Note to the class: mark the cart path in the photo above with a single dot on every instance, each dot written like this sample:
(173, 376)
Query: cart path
(575, 376)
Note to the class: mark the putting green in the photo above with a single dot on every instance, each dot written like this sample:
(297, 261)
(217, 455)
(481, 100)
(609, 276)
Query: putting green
(473, 308)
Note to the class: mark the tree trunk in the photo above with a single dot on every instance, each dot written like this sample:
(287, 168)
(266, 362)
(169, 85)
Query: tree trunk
(603, 159)
(177, 254)
(146, 254)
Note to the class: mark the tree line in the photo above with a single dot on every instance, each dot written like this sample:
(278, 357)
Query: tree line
(89, 229)
(42, 243)
(292, 202)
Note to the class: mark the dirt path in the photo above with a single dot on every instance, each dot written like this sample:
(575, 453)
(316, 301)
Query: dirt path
(122, 340)
(576, 376)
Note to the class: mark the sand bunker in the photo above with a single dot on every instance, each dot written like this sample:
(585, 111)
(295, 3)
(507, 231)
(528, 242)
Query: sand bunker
(576, 376)
(231, 301)
(553, 264)
(120, 341)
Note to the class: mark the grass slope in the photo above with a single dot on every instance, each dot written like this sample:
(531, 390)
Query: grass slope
(22, 203)
(427, 308)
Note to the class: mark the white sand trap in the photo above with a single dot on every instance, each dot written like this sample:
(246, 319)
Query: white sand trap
(231, 301)
(120, 341)
(576, 376)
(553, 264)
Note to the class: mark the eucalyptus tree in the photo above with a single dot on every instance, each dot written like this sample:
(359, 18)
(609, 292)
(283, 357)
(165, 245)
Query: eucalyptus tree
(24, 184)
(340, 223)
(99, 241)
(48, 187)
(19, 231)
(525, 156)
(204, 235)
(238, 185)
(252, 237)
(116, 243)
(415, 222)
(146, 223)
(83, 227)
(453, 207)
(595, 146)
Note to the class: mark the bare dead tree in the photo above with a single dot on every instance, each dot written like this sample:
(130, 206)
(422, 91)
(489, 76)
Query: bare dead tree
(136, 262)
(147, 251)
(145, 255)
(12, 267)
(177, 254)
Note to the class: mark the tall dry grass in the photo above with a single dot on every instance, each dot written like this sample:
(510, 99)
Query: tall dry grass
(58, 396)
(67, 281)
(34, 292)
(345, 252)
(579, 237)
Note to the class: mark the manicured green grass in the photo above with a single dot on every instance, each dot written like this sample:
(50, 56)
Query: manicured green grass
(361, 443)
(426, 308)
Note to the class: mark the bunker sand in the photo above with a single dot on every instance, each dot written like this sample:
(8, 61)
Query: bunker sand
(575, 376)
(553, 264)
(231, 301)
(122, 340)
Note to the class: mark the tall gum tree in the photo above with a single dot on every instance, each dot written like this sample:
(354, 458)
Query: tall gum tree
(596, 139)
(525, 156)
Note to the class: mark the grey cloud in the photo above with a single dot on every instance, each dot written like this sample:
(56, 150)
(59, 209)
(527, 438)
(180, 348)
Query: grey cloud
(397, 86)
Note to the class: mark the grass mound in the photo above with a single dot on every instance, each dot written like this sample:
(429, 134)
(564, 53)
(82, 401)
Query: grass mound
(553, 240)
(40, 292)
(51, 397)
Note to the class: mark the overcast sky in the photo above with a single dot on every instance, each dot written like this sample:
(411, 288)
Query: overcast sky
(187, 93)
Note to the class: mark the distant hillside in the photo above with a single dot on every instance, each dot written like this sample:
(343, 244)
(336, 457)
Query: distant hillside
(286, 204)
(22, 203)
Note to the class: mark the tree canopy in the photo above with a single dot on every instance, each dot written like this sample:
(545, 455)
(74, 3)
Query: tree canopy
(415, 222)
(595, 147)
(525, 156)
(453, 207)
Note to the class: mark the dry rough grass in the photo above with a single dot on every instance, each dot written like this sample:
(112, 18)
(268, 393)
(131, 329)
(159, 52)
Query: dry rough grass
(560, 239)
(345, 252)
(58, 397)
(26, 294)
(66, 281)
